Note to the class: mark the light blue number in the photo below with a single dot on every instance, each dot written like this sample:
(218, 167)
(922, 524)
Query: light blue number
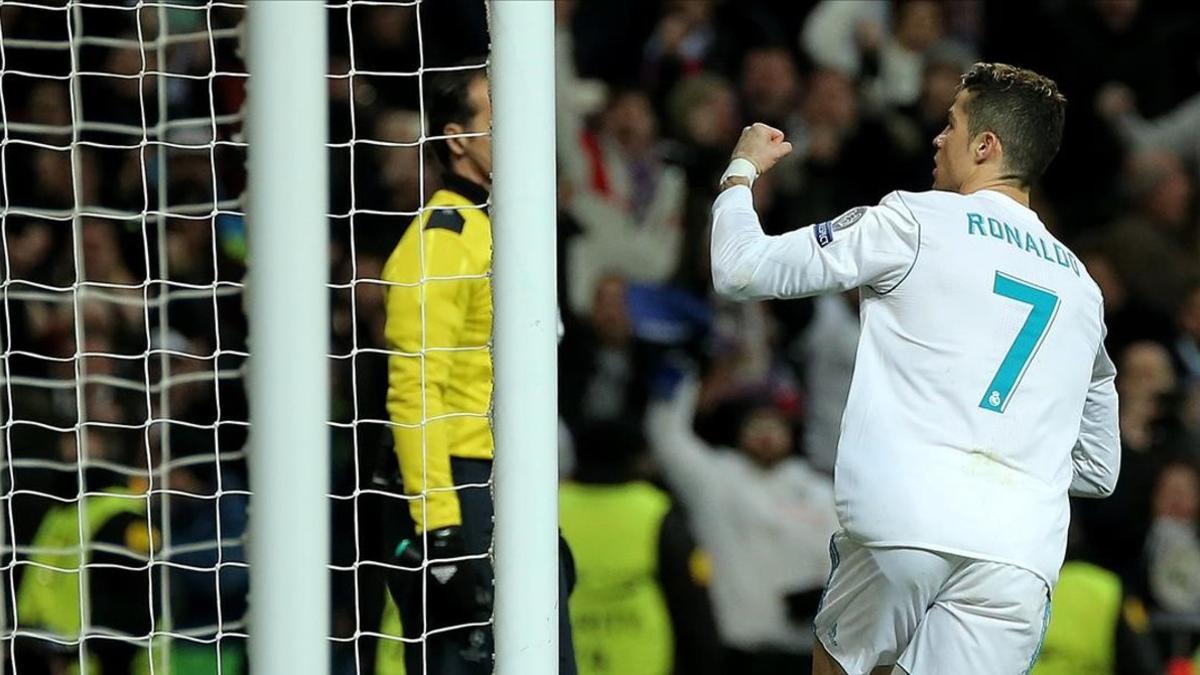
(1044, 307)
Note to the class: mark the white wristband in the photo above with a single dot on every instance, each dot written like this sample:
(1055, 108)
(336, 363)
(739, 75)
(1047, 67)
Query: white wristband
(740, 166)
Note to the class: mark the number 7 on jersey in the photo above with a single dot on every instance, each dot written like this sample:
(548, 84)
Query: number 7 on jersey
(1044, 307)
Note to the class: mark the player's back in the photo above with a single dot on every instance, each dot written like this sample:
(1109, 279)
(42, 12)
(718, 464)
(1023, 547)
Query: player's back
(969, 386)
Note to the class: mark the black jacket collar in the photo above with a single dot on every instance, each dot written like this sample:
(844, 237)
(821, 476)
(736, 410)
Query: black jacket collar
(472, 191)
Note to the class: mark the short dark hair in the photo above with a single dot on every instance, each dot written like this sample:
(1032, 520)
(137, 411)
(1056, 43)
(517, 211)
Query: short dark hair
(447, 101)
(1024, 109)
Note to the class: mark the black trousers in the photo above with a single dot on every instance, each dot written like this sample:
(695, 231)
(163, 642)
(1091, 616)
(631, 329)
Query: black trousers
(470, 651)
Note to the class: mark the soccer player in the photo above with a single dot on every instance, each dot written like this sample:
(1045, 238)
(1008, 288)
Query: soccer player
(982, 395)
(439, 326)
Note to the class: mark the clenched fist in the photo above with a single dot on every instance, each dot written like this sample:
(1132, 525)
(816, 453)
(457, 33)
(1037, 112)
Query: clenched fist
(762, 145)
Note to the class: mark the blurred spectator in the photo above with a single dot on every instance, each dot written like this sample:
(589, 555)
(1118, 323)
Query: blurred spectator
(743, 362)
(770, 87)
(703, 121)
(829, 171)
(402, 171)
(97, 543)
(766, 518)
(1086, 46)
(1176, 131)
(126, 96)
(1116, 527)
(641, 601)
(829, 348)
(386, 40)
(835, 34)
(895, 64)
(626, 200)
(913, 127)
(1172, 545)
(1152, 246)
(209, 517)
(1145, 376)
(682, 44)
(1187, 347)
(855, 39)
(605, 369)
(1126, 319)
(703, 118)
(212, 318)
(1129, 45)
(50, 106)
(30, 247)
(575, 97)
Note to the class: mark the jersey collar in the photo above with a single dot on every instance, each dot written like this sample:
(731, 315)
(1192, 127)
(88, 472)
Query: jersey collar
(996, 194)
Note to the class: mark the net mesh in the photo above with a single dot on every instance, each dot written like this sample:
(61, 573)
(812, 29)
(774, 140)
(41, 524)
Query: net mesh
(125, 426)
(125, 491)
(383, 55)
(125, 488)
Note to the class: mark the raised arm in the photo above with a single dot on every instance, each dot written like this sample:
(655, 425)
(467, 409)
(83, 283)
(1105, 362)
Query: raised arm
(1096, 458)
(873, 246)
(686, 460)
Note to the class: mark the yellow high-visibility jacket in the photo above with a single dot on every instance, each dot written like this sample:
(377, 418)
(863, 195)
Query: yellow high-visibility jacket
(439, 321)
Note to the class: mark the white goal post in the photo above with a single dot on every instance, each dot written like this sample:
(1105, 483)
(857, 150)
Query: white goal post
(171, 246)
(287, 124)
(287, 207)
(525, 325)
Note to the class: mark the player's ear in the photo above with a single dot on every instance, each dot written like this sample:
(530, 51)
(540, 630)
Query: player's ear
(986, 146)
(457, 146)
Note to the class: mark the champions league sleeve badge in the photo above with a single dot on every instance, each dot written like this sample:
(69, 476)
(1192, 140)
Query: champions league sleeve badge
(824, 231)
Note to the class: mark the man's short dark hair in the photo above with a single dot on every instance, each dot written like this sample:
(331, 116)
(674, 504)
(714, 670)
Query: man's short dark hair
(1024, 109)
(447, 102)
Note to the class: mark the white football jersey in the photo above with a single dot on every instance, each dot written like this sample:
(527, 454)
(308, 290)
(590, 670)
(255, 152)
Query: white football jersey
(982, 395)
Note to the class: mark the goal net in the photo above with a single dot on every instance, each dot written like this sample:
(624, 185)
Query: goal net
(124, 486)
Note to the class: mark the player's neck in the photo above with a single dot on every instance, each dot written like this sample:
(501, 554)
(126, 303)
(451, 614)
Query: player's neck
(1004, 186)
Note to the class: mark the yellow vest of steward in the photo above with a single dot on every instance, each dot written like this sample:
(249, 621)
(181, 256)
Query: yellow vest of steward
(48, 599)
(1081, 638)
(618, 611)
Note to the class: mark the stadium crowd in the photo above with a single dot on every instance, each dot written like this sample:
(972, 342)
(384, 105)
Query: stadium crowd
(726, 415)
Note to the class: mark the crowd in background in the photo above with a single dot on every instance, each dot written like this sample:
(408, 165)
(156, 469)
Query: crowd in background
(734, 409)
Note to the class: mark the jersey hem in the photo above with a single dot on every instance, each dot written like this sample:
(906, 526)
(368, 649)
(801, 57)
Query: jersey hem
(962, 553)
(836, 660)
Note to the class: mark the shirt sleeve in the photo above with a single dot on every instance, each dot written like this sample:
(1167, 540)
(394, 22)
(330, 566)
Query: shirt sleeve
(866, 246)
(1096, 458)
